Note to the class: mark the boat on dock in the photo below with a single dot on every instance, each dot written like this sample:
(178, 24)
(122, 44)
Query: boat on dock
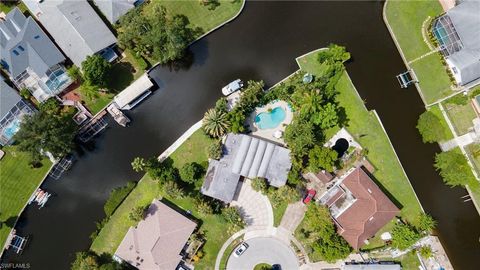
(40, 197)
(232, 87)
(16, 242)
(118, 115)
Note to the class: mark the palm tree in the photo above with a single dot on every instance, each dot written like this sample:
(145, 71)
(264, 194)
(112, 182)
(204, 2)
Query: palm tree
(215, 123)
(138, 164)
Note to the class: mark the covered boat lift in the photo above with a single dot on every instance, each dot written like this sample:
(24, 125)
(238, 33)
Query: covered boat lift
(134, 93)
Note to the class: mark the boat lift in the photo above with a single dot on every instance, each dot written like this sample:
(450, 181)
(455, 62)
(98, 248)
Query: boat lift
(407, 78)
(16, 242)
(92, 127)
(60, 167)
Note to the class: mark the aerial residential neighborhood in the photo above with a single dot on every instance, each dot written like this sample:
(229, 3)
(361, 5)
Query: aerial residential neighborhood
(239, 135)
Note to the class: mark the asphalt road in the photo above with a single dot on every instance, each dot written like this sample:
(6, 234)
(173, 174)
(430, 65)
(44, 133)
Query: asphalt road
(264, 250)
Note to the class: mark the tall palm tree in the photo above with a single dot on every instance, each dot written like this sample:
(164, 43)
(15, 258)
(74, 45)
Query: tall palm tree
(215, 123)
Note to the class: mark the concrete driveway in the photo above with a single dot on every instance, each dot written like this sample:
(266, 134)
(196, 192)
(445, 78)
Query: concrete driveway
(264, 250)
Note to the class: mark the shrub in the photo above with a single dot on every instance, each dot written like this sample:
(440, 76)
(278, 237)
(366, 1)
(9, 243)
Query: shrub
(284, 194)
(322, 158)
(25, 93)
(116, 198)
(453, 168)
(425, 223)
(137, 213)
(75, 74)
(232, 216)
(214, 150)
(203, 206)
(426, 252)
(260, 185)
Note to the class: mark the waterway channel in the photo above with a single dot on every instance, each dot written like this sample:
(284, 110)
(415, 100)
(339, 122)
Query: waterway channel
(260, 44)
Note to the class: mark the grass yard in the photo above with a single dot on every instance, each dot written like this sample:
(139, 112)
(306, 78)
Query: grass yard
(278, 213)
(193, 150)
(17, 183)
(228, 252)
(461, 116)
(201, 16)
(96, 104)
(433, 79)
(406, 19)
(10, 4)
(436, 110)
(389, 173)
(473, 151)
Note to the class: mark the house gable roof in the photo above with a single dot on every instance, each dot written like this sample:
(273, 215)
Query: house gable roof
(25, 45)
(114, 9)
(8, 98)
(371, 210)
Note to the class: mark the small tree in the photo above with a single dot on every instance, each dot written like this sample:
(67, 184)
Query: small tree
(138, 164)
(137, 214)
(172, 189)
(299, 137)
(453, 168)
(425, 223)
(190, 172)
(74, 73)
(260, 185)
(322, 158)
(232, 216)
(214, 150)
(96, 70)
(203, 206)
(404, 236)
(426, 252)
(85, 261)
(430, 127)
(89, 90)
(215, 123)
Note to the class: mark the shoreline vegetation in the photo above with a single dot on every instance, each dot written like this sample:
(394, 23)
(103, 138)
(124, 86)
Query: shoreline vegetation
(363, 124)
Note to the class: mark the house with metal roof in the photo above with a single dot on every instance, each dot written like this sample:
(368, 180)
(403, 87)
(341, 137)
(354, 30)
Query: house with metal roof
(245, 156)
(12, 109)
(76, 28)
(114, 9)
(158, 240)
(30, 58)
(458, 33)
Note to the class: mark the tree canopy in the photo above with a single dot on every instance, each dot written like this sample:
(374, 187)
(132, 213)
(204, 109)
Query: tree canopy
(191, 172)
(96, 70)
(299, 137)
(430, 128)
(453, 168)
(322, 158)
(154, 33)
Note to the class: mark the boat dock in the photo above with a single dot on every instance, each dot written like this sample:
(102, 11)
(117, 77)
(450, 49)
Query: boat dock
(118, 115)
(16, 242)
(40, 197)
(134, 93)
(92, 127)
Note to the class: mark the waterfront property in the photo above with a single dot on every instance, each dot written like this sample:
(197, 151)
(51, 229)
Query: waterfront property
(358, 207)
(75, 27)
(458, 34)
(114, 9)
(12, 109)
(158, 240)
(30, 58)
(269, 121)
(134, 93)
(245, 156)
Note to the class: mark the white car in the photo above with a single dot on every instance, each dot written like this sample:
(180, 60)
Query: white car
(232, 87)
(240, 249)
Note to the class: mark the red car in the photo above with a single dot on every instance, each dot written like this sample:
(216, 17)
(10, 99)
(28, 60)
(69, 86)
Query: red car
(310, 194)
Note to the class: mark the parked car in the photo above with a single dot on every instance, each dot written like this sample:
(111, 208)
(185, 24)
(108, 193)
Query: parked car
(232, 87)
(310, 194)
(240, 249)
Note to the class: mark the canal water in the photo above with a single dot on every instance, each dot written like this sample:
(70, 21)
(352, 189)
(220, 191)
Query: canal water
(260, 44)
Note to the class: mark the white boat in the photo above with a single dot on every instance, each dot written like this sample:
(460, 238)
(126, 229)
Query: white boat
(118, 115)
(40, 196)
(232, 87)
(34, 196)
(44, 200)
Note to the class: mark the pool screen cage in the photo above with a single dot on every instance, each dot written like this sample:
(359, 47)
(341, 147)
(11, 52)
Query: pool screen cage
(446, 35)
(6, 129)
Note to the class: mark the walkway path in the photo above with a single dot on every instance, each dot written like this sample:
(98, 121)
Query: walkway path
(293, 216)
(180, 140)
(254, 207)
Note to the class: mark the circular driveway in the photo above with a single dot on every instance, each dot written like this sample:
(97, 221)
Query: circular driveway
(264, 250)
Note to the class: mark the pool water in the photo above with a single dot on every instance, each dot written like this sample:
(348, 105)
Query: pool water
(272, 119)
(12, 128)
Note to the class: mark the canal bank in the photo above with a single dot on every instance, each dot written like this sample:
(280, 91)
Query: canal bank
(259, 44)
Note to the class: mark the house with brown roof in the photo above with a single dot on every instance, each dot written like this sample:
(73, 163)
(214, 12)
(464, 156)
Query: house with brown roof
(157, 241)
(358, 207)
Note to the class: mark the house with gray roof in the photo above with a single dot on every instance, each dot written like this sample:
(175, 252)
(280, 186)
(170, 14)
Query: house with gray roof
(76, 28)
(458, 33)
(12, 109)
(245, 156)
(114, 9)
(30, 58)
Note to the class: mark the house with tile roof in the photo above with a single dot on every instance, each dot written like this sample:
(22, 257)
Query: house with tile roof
(30, 58)
(158, 240)
(358, 207)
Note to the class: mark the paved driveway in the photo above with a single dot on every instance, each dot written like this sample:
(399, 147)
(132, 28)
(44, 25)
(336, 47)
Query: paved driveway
(264, 250)
(254, 207)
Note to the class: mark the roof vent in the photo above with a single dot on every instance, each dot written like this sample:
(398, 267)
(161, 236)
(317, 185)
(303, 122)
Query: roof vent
(15, 52)
(369, 190)
(21, 48)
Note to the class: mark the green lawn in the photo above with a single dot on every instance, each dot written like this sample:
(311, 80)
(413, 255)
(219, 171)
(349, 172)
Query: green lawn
(367, 130)
(436, 110)
(278, 213)
(406, 19)
(461, 116)
(11, 4)
(473, 151)
(17, 183)
(193, 150)
(201, 16)
(96, 104)
(432, 77)
(228, 252)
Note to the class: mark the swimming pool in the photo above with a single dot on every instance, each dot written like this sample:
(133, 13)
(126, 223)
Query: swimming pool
(11, 129)
(272, 119)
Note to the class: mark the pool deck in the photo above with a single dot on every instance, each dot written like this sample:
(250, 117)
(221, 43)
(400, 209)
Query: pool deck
(268, 133)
